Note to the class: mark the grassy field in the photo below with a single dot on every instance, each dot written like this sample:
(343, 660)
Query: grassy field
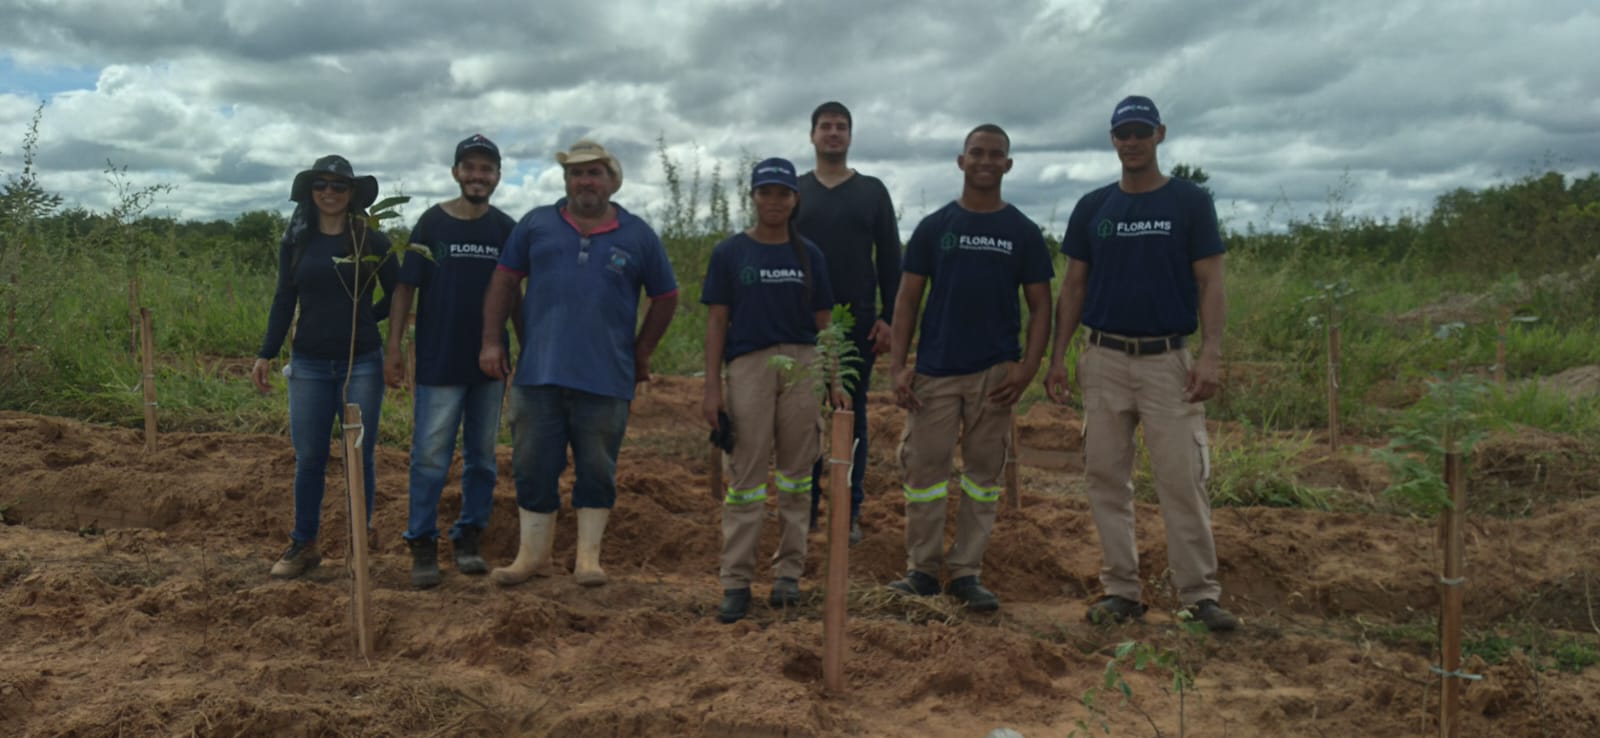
(1409, 313)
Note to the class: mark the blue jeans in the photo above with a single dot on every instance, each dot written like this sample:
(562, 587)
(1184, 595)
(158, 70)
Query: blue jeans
(315, 407)
(858, 404)
(440, 410)
(545, 420)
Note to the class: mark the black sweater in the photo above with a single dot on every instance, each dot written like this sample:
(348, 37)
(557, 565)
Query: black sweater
(322, 288)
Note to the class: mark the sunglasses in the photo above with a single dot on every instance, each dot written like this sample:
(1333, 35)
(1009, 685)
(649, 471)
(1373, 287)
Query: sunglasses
(1140, 131)
(337, 185)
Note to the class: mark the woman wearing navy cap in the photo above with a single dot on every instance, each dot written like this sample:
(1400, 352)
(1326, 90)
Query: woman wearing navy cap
(323, 271)
(768, 296)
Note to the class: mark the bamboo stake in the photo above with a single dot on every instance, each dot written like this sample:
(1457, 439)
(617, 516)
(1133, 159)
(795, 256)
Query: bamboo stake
(356, 482)
(147, 339)
(1013, 487)
(133, 315)
(1450, 525)
(1333, 387)
(833, 615)
(1500, 351)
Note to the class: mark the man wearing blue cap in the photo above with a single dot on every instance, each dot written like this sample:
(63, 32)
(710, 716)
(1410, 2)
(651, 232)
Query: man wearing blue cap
(462, 237)
(1144, 257)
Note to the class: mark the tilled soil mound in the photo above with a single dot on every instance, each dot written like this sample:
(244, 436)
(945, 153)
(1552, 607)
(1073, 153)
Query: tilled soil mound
(134, 600)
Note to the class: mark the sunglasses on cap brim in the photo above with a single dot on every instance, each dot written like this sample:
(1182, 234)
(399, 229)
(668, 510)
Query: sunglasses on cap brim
(337, 185)
(1140, 131)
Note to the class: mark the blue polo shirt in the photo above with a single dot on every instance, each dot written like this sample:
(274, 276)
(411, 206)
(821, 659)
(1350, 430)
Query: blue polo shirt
(450, 289)
(1141, 250)
(580, 310)
(765, 291)
(975, 263)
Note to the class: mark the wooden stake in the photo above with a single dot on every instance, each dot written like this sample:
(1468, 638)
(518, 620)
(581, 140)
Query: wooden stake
(1013, 487)
(1333, 387)
(833, 612)
(1453, 583)
(1500, 352)
(355, 478)
(147, 339)
(133, 316)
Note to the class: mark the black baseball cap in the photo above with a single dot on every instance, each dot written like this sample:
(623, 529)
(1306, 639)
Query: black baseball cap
(477, 143)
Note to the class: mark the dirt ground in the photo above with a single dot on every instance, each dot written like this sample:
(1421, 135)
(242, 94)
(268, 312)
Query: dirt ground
(135, 600)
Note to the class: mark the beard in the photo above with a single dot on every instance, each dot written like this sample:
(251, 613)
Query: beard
(475, 199)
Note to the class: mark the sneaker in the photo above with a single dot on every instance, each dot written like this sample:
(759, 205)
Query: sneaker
(785, 592)
(916, 583)
(1113, 610)
(969, 591)
(468, 558)
(424, 563)
(1216, 619)
(855, 531)
(735, 605)
(299, 559)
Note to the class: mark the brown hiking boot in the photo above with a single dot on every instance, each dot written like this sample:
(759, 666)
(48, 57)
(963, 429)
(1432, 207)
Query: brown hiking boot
(299, 559)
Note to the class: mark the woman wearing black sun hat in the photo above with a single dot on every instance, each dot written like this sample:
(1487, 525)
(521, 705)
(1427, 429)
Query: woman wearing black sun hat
(323, 271)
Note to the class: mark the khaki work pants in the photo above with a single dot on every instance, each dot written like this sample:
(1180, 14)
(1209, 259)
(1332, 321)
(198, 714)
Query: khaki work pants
(774, 412)
(953, 408)
(1120, 392)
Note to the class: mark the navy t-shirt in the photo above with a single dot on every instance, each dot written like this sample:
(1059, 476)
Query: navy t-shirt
(315, 276)
(452, 286)
(765, 291)
(974, 263)
(1141, 250)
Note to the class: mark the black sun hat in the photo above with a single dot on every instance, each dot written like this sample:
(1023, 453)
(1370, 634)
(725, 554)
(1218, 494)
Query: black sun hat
(363, 190)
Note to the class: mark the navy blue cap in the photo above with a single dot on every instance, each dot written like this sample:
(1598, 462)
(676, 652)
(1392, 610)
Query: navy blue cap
(774, 171)
(1135, 109)
(477, 143)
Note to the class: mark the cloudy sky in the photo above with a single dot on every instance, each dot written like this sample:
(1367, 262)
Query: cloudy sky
(1387, 102)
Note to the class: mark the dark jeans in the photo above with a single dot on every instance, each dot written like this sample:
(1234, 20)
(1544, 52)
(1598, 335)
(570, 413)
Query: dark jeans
(442, 410)
(315, 407)
(858, 403)
(545, 420)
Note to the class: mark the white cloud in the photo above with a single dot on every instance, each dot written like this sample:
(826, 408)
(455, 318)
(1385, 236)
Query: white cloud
(1279, 102)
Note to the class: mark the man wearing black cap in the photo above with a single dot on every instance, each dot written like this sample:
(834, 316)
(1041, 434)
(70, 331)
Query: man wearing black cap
(1144, 257)
(850, 217)
(463, 238)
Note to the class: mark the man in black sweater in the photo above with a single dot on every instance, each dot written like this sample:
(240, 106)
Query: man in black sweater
(850, 217)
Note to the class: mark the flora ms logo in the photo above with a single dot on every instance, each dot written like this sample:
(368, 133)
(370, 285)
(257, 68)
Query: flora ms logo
(748, 276)
(1105, 228)
(948, 243)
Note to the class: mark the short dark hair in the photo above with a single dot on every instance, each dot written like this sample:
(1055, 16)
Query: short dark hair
(987, 128)
(831, 107)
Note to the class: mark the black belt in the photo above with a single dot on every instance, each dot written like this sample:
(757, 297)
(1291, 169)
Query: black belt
(1139, 347)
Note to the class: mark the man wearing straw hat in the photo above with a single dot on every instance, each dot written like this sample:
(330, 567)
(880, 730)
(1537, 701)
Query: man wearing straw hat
(585, 260)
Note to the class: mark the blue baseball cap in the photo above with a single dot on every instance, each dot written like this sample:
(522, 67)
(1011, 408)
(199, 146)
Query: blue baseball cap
(774, 171)
(477, 144)
(1135, 109)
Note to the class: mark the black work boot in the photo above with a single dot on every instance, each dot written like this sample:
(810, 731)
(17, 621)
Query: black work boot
(735, 605)
(424, 563)
(855, 531)
(785, 592)
(1114, 610)
(299, 559)
(968, 590)
(468, 559)
(916, 583)
(1216, 619)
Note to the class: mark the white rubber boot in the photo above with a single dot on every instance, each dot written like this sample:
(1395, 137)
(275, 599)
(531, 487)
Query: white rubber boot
(591, 528)
(533, 555)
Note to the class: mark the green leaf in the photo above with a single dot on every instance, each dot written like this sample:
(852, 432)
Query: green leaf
(389, 203)
(1124, 648)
